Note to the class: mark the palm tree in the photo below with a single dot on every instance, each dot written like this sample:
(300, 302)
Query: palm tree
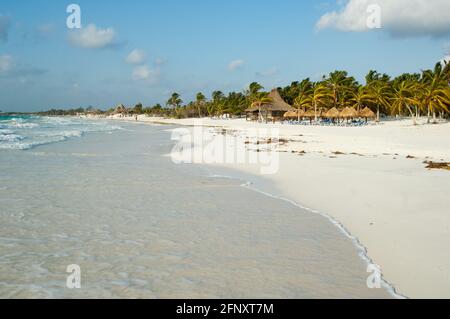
(360, 97)
(254, 88)
(340, 83)
(403, 97)
(320, 95)
(446, 70)
(379, 91)
(303, 100)
(200, 101)
(434, 90)
(175, 101)
(434, 99)
(259, 100)
(217, 98)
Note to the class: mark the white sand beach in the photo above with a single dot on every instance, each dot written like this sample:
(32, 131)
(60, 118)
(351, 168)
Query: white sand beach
(374, 181)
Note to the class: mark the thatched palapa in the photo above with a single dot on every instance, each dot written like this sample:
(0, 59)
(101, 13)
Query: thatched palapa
(120, 109)
(294, 114)
(348, 113)
(332, 113)
(310, 114)
(367, 113)
(274, 110)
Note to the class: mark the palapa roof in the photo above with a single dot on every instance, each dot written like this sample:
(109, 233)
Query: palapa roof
(293, 114)
(310, 113)
(348, 112)
(120, 109)
(277, 104)
(367, 113)
(332, 113)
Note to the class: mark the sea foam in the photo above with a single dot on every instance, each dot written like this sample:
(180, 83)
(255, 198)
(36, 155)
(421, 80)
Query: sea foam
(26, 132)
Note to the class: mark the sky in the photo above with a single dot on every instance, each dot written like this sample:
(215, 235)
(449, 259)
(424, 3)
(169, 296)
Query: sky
(140, 51)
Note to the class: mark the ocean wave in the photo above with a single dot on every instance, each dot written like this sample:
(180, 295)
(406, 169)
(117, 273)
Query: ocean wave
(19, 145)
(61, 134)
(19, 133)
(10, 137)
(24, 125)
(5, 132)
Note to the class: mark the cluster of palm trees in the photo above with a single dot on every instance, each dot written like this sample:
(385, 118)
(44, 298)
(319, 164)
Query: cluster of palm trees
(234, 103)
(416, 94)
(426, 93)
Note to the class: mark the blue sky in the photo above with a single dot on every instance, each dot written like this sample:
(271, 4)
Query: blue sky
(200, 45)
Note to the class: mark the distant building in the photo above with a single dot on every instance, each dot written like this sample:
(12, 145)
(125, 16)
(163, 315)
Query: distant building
(273, 111)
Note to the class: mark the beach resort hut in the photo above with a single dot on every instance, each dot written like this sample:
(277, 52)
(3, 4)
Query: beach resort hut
(120, 109)
(367, 113)
(252, 113)
(273, 111)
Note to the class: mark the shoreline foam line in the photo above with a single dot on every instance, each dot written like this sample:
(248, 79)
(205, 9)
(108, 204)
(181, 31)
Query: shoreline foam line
(362, 250)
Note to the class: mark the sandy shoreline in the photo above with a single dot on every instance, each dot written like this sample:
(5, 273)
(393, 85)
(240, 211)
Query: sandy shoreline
(373, 180)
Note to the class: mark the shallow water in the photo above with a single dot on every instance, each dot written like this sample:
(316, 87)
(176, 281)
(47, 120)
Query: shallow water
(140, 226)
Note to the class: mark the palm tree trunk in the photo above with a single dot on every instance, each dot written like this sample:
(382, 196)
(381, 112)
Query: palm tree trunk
(315, 111)
(412, 115)
(259, 114)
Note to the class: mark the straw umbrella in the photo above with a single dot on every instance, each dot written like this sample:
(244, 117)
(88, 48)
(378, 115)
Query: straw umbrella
(367, 114)
(332, 114)
(310, 114)
(300, 113)
(293, 114)
(348, 113)
(290, 115)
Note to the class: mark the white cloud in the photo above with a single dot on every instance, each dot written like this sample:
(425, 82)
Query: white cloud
(6, 63)
(270, 72)
(144, 73)
(91, 37)
(136, 57)
(44, 30)
(141, 72)
(160, 61)
(9, 68)
(404, 18)
(236, 64)
(5, 23)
